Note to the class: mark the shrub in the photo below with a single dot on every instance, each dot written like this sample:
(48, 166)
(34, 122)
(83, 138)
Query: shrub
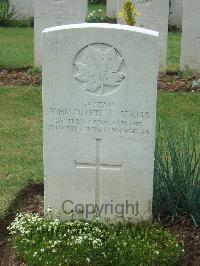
(129, 13)
(7, 12)
(42, 242)
(95, 17)
(177, 175)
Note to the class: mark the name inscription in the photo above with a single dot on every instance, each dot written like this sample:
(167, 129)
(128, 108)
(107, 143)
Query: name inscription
(98, 117)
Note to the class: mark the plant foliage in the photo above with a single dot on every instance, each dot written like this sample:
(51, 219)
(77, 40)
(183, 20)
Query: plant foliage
(42, 242)
(177, 175)
(7, 12)
(129, 13)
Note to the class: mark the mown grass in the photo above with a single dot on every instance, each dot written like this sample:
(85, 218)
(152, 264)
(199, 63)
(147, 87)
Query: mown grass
(179, 110)
(174, 51)
(20, 141)
(21, 133)
(16, 48)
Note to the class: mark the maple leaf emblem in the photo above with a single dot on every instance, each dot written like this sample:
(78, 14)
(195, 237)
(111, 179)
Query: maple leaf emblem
(99, 70)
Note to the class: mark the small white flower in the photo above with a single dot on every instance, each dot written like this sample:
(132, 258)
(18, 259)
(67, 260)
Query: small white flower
(87, 260)
(35, 254)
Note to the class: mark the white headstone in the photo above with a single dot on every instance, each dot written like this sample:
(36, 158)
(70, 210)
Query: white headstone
(111, 8)
(175, 14)
(23, 8)
(190, 48)
(49, 13)
(99, 102)
(154, 16)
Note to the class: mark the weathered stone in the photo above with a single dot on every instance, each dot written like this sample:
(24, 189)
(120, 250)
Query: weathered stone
(111, 8)
(175, 14)
(99, 102)
(49, 13)
(23, 8)
(190, 46)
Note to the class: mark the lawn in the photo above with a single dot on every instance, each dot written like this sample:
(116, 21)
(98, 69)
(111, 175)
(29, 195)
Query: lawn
(21, 133)
(174, 51)
(16, 48)
(20, 141)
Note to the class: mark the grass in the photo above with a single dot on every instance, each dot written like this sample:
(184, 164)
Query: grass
(20, 141)
(179, 109)
(16, 48)
(174, 51)
(21, 133)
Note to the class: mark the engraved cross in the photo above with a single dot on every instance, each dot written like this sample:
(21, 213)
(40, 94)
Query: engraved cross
(98, 166)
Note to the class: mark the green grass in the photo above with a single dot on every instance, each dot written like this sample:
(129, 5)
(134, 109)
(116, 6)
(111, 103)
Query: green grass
(20, 141)
(174, 51)
(179, 109)
(16, 48)
(21, 133)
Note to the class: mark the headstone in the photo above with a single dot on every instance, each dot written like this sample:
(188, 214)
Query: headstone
(99, 102)
(111, 8)
(49, 13)
(23, 8)
(154, 16)
(86, 8)
(175, 14)
(190, 47)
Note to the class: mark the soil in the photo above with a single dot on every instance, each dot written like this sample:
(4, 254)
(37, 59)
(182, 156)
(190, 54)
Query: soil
(27, 77)
(19, 77)
(174, 83)
(32, 202)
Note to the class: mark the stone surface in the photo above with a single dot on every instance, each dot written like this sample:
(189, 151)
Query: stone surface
(99, 102)
(175, 14)
(23, 8)
(154, 16)
(190, 47)
(111, 8)
(49, 13)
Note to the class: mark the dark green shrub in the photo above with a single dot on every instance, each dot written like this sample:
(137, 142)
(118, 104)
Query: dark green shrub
(7, 12)
(41, 242)
(177, 175)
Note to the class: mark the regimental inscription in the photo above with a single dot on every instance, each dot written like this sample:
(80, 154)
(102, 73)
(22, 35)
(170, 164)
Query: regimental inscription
(99, 117)
(98, 166)
(99, 69)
